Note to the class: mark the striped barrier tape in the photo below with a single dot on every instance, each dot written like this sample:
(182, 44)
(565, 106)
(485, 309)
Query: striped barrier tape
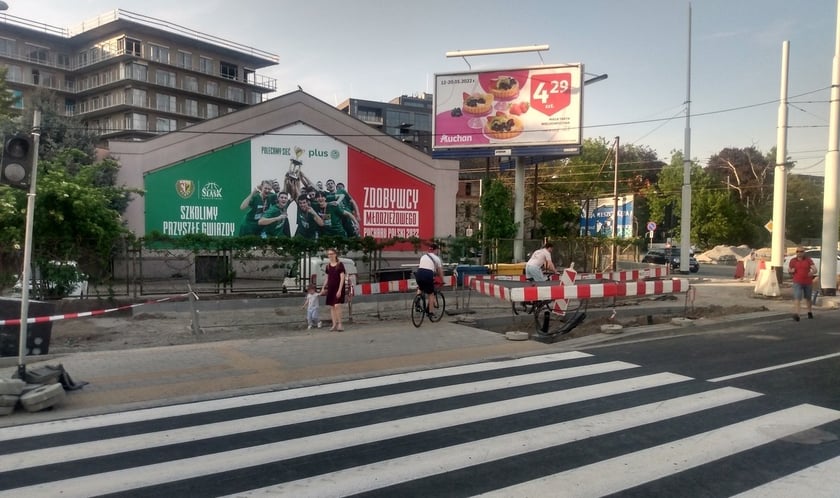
(83, 314)
(618, 276)
(581, 291)
(394, 286)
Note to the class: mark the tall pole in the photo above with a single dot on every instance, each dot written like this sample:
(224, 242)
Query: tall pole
(780, 175)
(614, 265)
(519, 208)
(27, 247)
(828, 258)
(685, 216)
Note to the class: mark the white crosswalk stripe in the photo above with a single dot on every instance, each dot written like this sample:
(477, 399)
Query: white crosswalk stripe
(405, 432)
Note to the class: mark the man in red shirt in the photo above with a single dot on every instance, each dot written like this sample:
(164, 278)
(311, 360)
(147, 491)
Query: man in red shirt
(802, 271)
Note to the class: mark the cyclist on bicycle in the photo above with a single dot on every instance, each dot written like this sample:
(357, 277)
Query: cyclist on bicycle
(540, 261)
(429, 268)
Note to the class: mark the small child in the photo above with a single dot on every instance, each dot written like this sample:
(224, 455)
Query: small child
(310, 303)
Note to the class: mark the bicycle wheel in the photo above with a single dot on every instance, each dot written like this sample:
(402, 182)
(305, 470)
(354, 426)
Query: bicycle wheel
(519, 307)
(418, 310)
(441, 307)
(540, 309)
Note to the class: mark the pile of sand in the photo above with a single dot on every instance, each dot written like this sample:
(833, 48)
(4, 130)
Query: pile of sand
(724, 254)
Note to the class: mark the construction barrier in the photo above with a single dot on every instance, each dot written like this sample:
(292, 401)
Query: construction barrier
(618, 276)
(579, 291)
(394, 286)
(83, 314)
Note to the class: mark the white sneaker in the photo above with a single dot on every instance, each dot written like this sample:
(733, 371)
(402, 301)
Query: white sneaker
(308, 327)
(319, 324)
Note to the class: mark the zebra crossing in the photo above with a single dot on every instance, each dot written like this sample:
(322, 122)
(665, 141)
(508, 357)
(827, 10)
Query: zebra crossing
(563, 424)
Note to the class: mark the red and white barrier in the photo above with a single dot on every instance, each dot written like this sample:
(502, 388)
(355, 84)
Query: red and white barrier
(394, 286)
(83, 314)
(580, 291)
(619, 276)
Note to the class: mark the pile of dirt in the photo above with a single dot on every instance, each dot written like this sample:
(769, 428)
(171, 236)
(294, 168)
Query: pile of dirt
(724, 254)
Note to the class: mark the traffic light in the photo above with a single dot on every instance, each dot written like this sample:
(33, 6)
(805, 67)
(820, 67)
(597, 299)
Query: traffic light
(18, 161)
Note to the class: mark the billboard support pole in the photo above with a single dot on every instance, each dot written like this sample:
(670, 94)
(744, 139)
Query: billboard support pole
(519, 208)
(615, 211)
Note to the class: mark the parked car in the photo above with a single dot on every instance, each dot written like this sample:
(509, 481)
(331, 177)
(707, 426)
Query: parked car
(662, 258)
(815, 255)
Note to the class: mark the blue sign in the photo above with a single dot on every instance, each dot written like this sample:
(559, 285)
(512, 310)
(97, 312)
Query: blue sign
(596, 217)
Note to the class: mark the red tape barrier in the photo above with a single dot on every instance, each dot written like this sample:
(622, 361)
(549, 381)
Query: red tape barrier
(83, 314)
(394, 286)
(580, 291)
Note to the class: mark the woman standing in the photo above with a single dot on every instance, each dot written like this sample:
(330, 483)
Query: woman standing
(334, 288)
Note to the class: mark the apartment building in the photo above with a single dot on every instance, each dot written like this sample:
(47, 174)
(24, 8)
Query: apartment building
(126, 75)
(407, 118)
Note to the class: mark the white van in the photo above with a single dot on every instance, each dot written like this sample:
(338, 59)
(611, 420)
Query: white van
(315, 265)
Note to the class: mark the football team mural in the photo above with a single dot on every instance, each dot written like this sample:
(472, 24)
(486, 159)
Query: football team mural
(293, 182)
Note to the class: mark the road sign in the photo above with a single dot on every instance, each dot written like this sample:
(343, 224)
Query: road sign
(769, 226)
(651, 226)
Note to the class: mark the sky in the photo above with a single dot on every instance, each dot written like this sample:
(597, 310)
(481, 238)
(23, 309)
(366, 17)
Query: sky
(378, 50)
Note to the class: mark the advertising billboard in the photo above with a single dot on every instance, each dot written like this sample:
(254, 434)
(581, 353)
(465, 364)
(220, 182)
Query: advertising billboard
(314, 186)
(596, 217)
(510, 108)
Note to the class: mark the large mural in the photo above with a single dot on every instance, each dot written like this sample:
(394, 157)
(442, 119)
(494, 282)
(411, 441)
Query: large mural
(294, 182)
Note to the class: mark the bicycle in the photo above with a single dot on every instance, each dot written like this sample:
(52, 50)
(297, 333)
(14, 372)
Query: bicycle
(418, 308)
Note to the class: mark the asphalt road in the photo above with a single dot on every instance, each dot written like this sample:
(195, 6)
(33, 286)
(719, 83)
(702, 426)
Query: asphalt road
(753, 410)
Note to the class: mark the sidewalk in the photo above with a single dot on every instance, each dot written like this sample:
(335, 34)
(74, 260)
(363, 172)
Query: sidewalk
(137, 378)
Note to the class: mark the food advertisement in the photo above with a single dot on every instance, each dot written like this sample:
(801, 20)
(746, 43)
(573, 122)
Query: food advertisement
(505, 108)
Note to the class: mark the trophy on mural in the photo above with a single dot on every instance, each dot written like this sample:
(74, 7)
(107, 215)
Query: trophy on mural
(296, 182)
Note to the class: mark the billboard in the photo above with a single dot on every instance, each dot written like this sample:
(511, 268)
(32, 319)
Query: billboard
(316, 186)
(538, 108)
(596, 217)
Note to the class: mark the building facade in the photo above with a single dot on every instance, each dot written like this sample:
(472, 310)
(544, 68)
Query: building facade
(407, 118)
(127, 75)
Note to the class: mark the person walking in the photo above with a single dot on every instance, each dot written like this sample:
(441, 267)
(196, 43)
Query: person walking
(310, 304)
(334, 288)
(430, 267)
(540, 261)
(802, 271)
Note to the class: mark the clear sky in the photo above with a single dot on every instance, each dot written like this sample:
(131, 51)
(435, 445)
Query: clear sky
(380, 49)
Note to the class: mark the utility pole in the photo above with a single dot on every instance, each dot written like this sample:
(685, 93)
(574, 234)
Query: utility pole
(828, 254)
(27, 248)
(780, 174)
(615, 211)
(685, 220)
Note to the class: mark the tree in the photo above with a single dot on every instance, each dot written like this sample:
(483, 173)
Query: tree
(804, 208)
(497, 211)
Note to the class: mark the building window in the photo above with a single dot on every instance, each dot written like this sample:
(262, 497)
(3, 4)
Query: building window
(212, 111)
(158, 53)
(135, 121)
(165, 103)
(205, 65)
(190, 83)
(137, 72)
(165, 124)
(82, 59)
(228, 70)
(211, 88)
(136, 97)
(37, 54)
(237, 94)
(184, 60)
(256, 98)
(7, 46)
(191, 107)
(467, 211)
(17, 99)
(130, 46)
(14, 73)
(165, 78)
(63, 60)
